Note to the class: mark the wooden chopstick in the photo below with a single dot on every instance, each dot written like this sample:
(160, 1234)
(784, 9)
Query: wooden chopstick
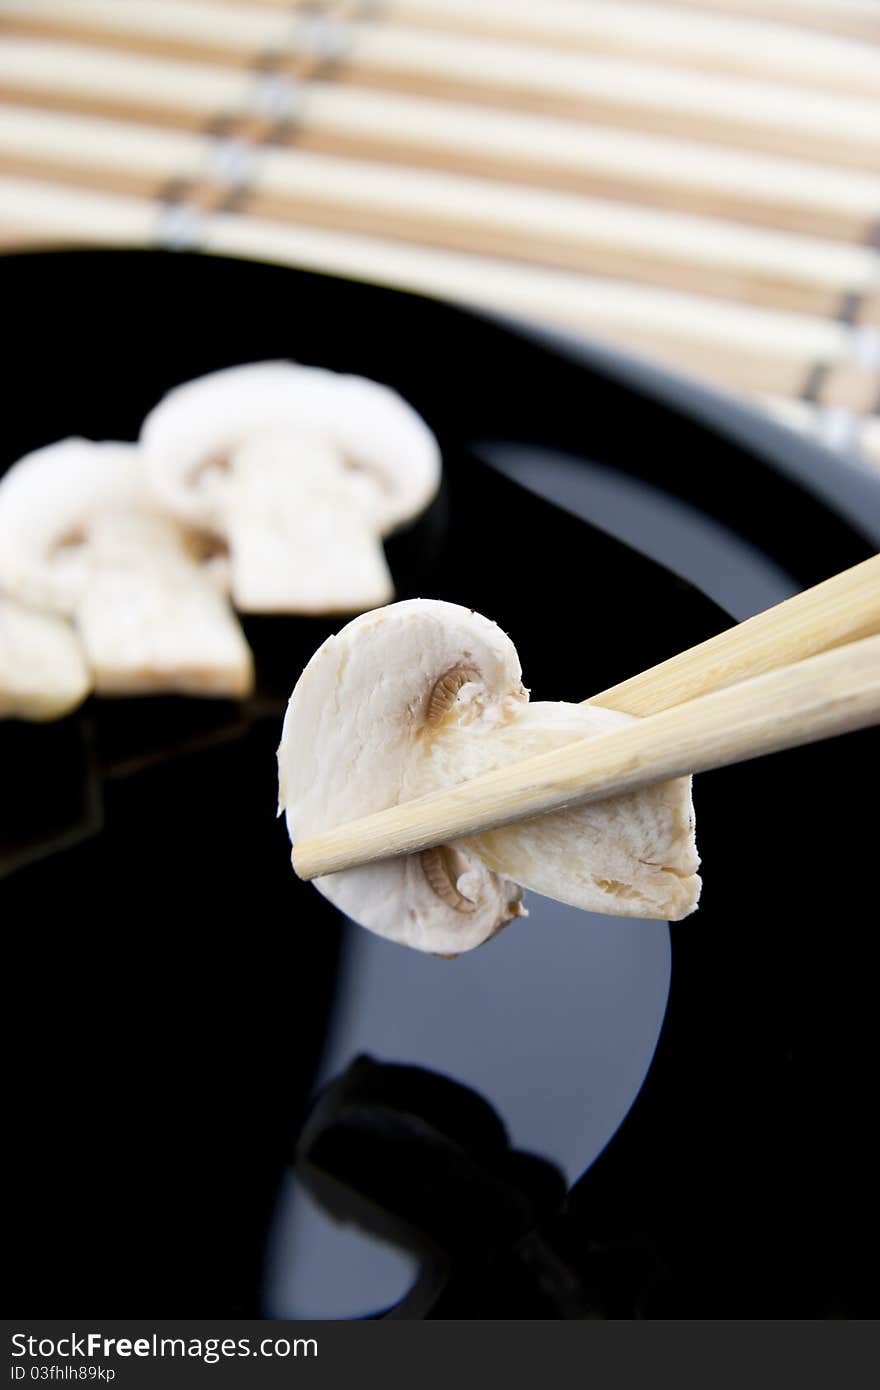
(832, 693)
(843, 610)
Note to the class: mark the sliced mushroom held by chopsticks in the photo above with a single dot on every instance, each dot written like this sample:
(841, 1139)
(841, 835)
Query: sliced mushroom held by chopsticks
(426, 694)
(301, 471)
(43, 669)
(79, 537)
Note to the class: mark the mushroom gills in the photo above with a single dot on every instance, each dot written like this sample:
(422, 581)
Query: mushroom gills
(300, 537)
(43, 671)
(445, 869)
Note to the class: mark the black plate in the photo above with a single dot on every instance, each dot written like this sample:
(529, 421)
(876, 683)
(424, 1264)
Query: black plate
(177, 994)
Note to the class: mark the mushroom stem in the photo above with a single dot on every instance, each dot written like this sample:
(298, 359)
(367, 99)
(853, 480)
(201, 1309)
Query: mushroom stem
(151, 620)
(300, 533)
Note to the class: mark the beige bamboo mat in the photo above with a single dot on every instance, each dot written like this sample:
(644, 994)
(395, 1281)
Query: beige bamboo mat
(696, 182)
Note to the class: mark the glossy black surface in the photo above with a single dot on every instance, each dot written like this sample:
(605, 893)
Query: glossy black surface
(172, 986)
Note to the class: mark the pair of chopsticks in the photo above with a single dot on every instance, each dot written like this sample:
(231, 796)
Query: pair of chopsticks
(802, 671)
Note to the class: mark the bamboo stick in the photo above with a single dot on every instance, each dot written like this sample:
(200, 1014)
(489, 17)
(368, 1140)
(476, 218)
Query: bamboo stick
(841, 610)
(856, 19)
(216, 28)
(591, 255)
(841, 129)
(45, 215)
(711, 42)
(717, 41)
(629, 167)
(86, 143)
(833, 693)
(79, 75)
(567, 231)
(805, 197)
(563, 220)
(619, 92)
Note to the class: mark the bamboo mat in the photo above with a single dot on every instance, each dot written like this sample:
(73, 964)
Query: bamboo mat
(696, 182)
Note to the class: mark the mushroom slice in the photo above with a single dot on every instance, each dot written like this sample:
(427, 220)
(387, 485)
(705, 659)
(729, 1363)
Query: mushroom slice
(425, 694)
(356, 739)
(43, 672)
(631, 855)
(302, 471)
(78, 537)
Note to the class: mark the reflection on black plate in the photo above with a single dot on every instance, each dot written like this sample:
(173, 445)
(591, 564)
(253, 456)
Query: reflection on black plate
(177, 993)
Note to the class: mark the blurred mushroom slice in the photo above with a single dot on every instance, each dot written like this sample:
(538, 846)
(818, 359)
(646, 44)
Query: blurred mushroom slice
(426, 694)
(78, 537)
(43, 671)
(308, 548)
(302, 471)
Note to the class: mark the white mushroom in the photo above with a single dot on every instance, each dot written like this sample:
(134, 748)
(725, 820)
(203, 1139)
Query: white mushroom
(77, 537)
(302, 471)
(43, 671)
(425, 694)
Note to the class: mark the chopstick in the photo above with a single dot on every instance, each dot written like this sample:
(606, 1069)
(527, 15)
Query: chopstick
(841, 609)
(769, 683)
(833, 693)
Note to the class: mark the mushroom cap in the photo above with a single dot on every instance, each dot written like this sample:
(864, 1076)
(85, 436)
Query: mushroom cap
(47, 501)
(189, 435)
(354, 741)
